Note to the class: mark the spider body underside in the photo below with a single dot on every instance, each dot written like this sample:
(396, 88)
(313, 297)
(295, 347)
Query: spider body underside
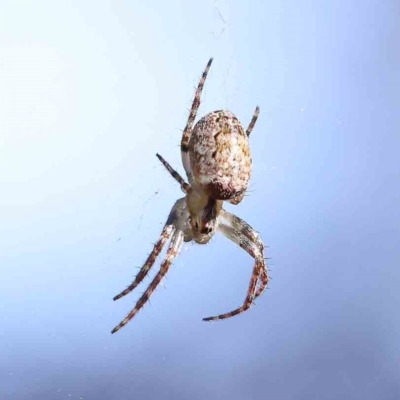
(217, 161)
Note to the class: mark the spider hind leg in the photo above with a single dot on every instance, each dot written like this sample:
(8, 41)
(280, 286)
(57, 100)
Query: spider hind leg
(184, 186)
(189, 124)
(253, 121)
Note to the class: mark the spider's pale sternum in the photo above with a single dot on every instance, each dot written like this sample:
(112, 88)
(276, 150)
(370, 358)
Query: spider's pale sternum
(217, 161)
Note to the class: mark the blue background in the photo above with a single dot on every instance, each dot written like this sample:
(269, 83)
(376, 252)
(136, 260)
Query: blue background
(90, 91)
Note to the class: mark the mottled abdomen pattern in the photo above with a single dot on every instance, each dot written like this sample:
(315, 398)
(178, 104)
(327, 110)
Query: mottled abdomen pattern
(220, 156)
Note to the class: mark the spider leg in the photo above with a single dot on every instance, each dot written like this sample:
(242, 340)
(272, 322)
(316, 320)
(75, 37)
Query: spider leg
(184, 186)
(251, 234)
(189, 124)
(176, 220)
(251, 248)
(253, 120)
(243, 227)
(164, 237)
(172, 252)
(246, 237)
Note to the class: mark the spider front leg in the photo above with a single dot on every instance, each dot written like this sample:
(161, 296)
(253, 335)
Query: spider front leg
(250, 233)
(259, 266)
(164, 237)
(173, 250)
(243, 227)
(175, 227)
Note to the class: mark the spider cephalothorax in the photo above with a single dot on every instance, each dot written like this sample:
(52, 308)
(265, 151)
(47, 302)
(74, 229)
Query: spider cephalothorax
(217, 161)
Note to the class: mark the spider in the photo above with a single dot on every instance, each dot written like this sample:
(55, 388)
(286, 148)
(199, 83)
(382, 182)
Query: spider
(217, 161)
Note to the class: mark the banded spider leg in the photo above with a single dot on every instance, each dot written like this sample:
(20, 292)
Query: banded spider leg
(173, 228)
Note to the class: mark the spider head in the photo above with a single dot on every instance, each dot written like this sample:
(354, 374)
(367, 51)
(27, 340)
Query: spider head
(203, 218)
(202, 231)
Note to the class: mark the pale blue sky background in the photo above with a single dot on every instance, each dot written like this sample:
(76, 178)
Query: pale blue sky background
(90, 91)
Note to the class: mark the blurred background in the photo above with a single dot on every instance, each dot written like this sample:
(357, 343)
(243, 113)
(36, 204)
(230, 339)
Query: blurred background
(90, 91)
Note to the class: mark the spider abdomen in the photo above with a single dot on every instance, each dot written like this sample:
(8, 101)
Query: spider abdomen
(220, 156)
